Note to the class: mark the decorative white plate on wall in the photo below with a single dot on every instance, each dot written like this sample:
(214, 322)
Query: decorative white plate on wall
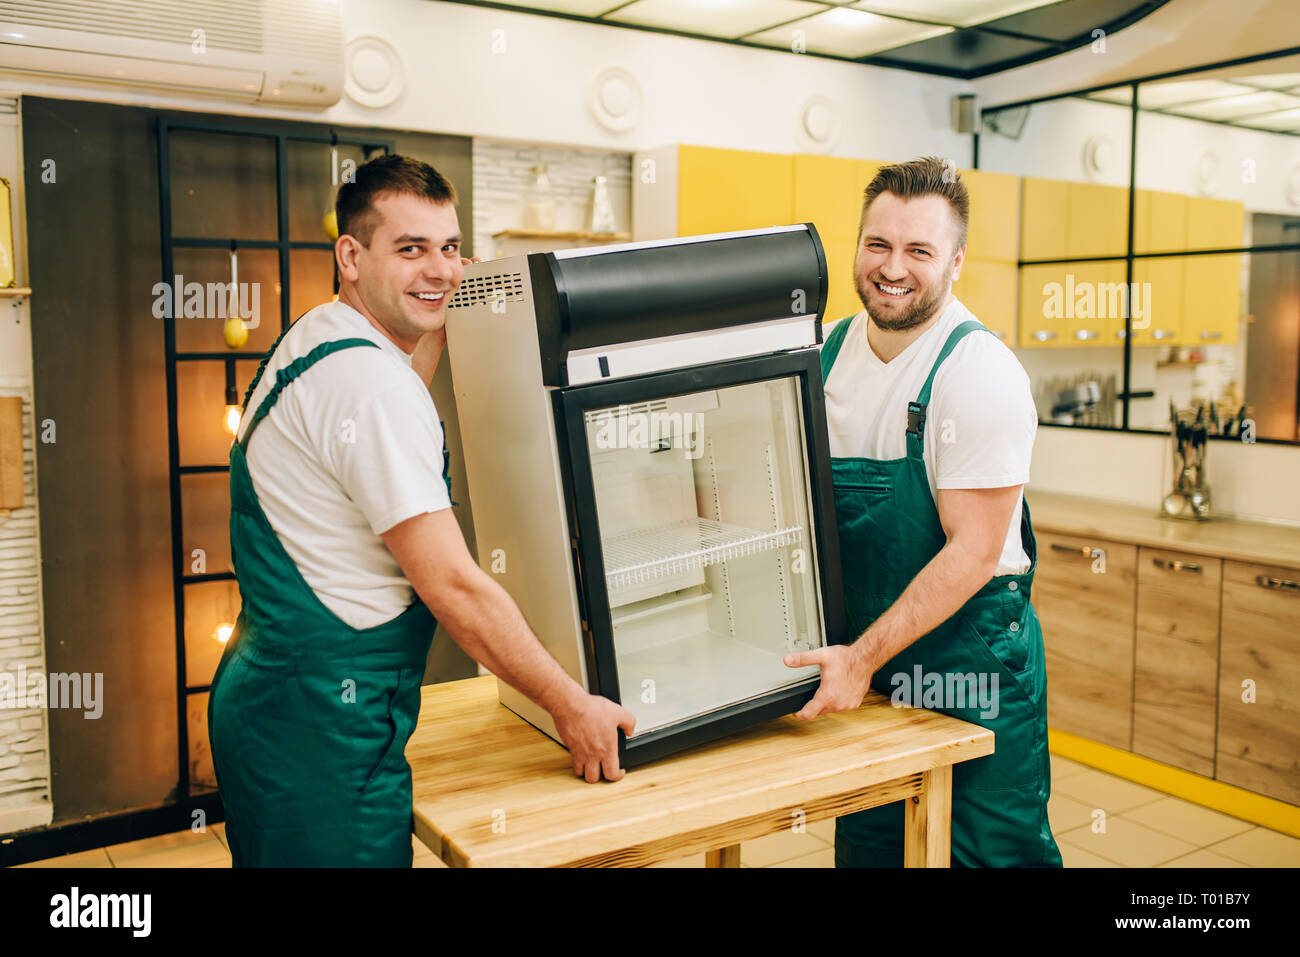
(1206, 174)
(374, 76)
(818, 126)
(616, 99)
(1098, 156)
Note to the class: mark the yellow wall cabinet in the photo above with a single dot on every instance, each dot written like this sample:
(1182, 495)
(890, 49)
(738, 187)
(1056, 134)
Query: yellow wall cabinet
(1072, 304)
(691, 190)
(827, 191)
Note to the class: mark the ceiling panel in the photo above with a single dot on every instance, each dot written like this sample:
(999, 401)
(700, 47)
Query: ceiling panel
(1073, 18)
(958, 13)
(719, 18)
(1240, 106)
(582, 8)
(850, 33)
(1285, 121)
(965, 50)
(1162, 96)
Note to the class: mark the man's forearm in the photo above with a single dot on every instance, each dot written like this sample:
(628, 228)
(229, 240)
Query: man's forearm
(936, 594)
(483, 619)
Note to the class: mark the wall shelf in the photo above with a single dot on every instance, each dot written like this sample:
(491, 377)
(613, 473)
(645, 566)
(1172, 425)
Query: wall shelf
(560, 234)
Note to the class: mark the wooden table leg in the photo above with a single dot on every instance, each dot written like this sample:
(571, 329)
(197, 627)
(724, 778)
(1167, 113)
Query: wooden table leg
(927, 820)
(728, 856)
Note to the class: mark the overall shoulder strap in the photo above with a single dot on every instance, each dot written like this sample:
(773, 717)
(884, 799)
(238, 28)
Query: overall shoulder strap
(916, 410)
(290, 372)
(831, 347)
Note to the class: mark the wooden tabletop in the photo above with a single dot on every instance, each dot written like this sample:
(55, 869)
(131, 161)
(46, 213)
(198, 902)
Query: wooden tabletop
(491, 790)
(1218, 538)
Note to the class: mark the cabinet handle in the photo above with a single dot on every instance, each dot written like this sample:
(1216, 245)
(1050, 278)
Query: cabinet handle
(1264, 581)
(1211, 334)
(1176, 566)
(1087, 551)
(1085, 334)
(1121, 333)
(1162, 334)
(1043, 335)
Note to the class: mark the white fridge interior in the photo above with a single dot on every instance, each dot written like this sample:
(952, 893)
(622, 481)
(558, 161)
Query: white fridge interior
(703, 506)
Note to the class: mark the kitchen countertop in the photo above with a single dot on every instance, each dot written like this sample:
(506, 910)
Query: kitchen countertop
(1218, 538)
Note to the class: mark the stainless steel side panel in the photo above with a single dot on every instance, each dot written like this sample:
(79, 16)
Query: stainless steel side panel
(512, 464)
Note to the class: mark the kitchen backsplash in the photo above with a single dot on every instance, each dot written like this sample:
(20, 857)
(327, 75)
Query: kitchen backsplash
(1256, 482)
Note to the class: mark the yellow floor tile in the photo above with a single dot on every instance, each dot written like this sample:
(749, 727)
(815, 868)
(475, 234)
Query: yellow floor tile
(1065, 813)
(95, 858)
(1129, 843)
(1261, 847)
(822, 858)
(1203, 858)
(1063, 768)
(1073, 856)
(1187, 821)
(1097, 789)
(781, 846)
(180, 849)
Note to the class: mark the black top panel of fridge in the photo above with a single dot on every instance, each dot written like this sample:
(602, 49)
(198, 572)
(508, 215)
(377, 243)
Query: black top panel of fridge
(591, 298)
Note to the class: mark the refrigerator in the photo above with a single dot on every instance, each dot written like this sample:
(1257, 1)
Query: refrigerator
(645, 445)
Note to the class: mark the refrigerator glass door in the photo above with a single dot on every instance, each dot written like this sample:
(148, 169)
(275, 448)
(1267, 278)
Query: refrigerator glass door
(702, 502)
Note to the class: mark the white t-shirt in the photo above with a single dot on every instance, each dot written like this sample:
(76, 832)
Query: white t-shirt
(352, 447)
(980, 423)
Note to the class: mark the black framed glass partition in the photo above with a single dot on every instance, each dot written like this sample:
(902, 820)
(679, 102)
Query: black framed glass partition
(1160, 248)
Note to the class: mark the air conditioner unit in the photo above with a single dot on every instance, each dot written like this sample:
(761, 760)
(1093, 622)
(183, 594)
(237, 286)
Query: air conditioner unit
(265, 51)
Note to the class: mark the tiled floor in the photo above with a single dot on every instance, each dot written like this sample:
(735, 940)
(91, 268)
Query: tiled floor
(1099, 821)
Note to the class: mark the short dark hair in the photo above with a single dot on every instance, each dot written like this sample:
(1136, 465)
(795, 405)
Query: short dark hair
(927, 176)
(389, 173)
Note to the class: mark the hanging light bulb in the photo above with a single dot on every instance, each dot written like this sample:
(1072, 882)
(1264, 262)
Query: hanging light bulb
(223, 631)
(232, 414)
(235, 331)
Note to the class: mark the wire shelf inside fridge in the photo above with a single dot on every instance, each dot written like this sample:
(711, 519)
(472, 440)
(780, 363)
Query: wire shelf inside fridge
(668, 550)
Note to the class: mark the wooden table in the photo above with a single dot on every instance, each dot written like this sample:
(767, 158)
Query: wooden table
(490, 790)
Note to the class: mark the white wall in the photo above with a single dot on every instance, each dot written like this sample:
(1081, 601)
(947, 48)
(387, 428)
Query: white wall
(537, 89)
(1255, 482)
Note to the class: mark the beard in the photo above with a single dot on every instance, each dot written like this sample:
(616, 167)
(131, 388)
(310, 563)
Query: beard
(927, 300)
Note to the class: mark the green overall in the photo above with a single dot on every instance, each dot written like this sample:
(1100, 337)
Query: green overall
(309, 717)
(889, 530)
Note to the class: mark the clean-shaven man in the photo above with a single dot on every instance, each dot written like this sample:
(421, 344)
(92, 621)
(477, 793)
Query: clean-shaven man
(347, 553)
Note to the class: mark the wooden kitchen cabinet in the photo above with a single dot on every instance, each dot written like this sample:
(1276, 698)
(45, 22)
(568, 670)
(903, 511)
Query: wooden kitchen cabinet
(989, 290)
(1159, 221)
(994, 233)
(827, 191)
(1212, 299)
(1072, 304)
(1259, 740)
(1176, 662)
(1084, 592)
(1097, 220)
(1044, 213)
(1162, 284)
(720, 190)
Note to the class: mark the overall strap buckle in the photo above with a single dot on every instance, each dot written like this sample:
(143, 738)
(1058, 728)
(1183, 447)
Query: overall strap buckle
(916, 418)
